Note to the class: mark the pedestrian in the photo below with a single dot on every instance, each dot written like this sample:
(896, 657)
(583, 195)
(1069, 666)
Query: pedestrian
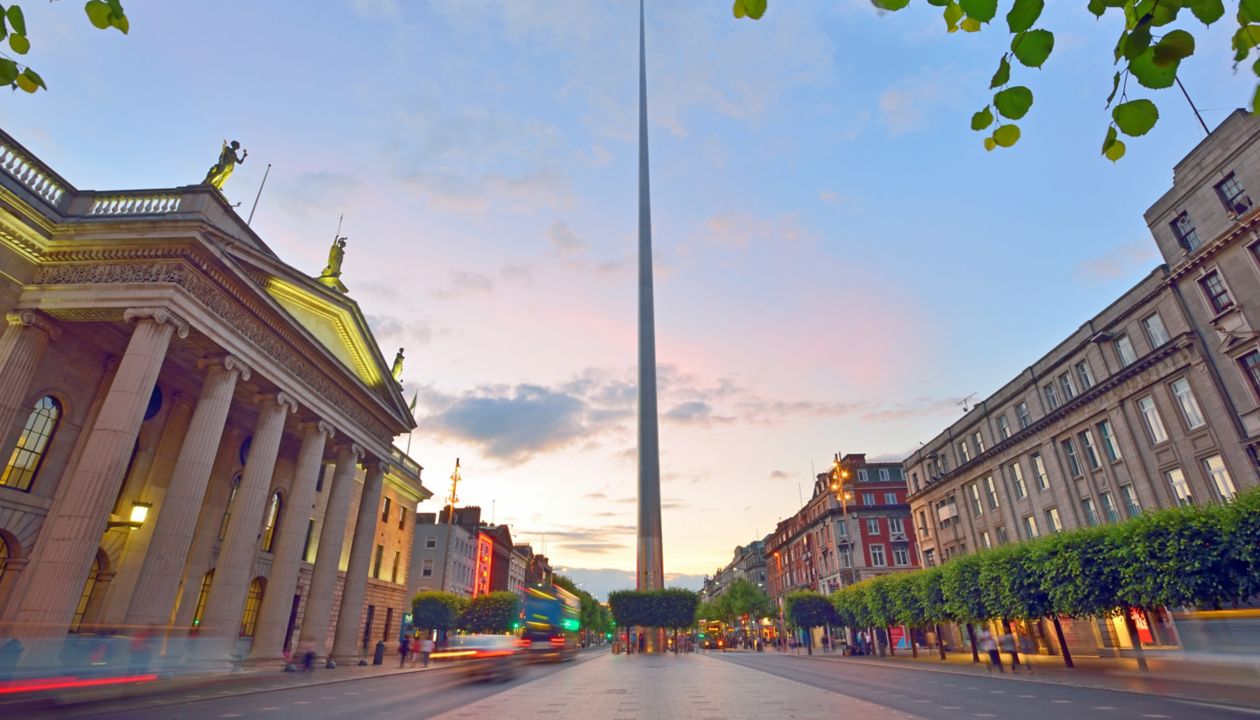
(1007, 643)
(990, 647)
(404, 649)
(1027, 648)
(307, 649)
(426, 647)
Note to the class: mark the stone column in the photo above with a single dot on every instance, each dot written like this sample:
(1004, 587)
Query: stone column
(72, 531)
(319, 597)
(176, 520)
(277, 603)
(345, 643)
(21, 347)
(235, 566)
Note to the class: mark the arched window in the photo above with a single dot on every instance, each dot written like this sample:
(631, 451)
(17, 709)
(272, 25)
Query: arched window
(29, 452)
(88, 587)
(227, 511)
(4, 556)
(252, 602)
(201, 601)
(273, 521)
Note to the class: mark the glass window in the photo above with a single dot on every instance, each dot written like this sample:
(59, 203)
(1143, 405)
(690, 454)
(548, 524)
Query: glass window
(884, 475)
(1000, 531)
(272, 520)
(1131, 506)
(901, 556)
(1220, 478)
(1004, 427)
(872, 526)
(1183, 230)
(1074, 464)
(1067, 386)
(430, 541)
(227, 511)
(200, 608)
(28, 454)
(1150, 417)
(1231, 194)
(1091, 514)
(1109, 507)
(877, 556)
(1039, 470)
(923, 528)
(990, 492)
(1124, 351)
(1189, 406)
(402, 518)
(1155, 331)
(426, 568)
(1030, 527)
(985, 540)
(1214, 290)
(376, 564)
(1052, 520)
(963, 453)
(1084, 375)
(86, 596)
(1016, 475)
(1181, 490)
(868, 498)
(385, 511)
(890, 498)
(307, 545)
(1052, 396)
(842, 528)
(393, 573)
(1021, 410)
(978, 442)
(1251, 367)
(1091, 452)
(862, 475)
(252, 602)
(1109, 440)
(896, 526)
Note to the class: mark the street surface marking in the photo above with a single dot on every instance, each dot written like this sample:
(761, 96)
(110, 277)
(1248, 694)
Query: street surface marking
(230, 715)
(1103, 707)
(1028, 696)
(269, 708)
(301, 702)
(1155, 716)
(950, 707)
(997, 692)
(1062, 702)
(984, 715)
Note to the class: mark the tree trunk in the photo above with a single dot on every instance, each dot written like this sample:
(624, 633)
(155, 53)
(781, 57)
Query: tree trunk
(892, 649)
(971, 635)
(1063, 646)
(940, 641)
(809, 641)
(914, 647)
(1138, 652)
(1006, 623)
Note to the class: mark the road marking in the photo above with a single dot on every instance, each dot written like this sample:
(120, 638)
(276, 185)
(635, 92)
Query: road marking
(1062, 702)
(269, 708)
(984, 715)
(997, 692)
(230, 715)
(1155, 716)
(1103, 707)
(301, 702)
(950, 707)
(923, 701)
(1028, 696)
(1222, 706)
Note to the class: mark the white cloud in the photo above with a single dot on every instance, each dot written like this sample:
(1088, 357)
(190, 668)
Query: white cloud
(1121, 261)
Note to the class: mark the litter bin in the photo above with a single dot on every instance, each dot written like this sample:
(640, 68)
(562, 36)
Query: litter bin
(379, 656)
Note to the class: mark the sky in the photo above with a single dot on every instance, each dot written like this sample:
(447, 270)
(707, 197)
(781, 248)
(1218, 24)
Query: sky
(838, 261)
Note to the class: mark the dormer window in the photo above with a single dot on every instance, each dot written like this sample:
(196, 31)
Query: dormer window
(1185, 233)
(1230, 191)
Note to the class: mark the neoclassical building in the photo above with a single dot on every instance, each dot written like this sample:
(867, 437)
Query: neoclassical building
(196, 437)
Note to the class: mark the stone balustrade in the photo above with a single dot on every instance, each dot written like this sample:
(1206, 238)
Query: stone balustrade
(148, 203)
(34, 177)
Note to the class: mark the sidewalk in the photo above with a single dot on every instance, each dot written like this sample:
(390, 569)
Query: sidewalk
(665, 687)
(1233, 682)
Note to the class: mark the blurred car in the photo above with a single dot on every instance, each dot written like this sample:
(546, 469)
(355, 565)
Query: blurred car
(483, 657)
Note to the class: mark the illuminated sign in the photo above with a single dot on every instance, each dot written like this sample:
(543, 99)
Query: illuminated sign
(485, 558)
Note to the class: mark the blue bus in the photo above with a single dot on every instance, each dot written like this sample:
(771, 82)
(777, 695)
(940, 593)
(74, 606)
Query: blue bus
(550, 621)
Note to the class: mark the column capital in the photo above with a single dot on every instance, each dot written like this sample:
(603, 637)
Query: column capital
(160, 315)
(356, 450)
(317, 425)
(374, 464)
(227, 362)
(279, 398)
(27, 317)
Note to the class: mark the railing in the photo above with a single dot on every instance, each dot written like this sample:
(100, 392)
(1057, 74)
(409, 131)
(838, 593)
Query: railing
(33, 177)
(146, 204)
(406, 463)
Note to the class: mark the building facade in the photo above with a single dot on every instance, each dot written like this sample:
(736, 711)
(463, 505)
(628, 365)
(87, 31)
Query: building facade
(183, 418)
(443, 553)
(1152, 403)
(748, 562)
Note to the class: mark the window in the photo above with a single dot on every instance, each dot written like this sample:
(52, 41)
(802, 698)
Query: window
(914, 482)
(890, 498)
(402, 518)
(376, 564)
(1091, 453)
(1021, 411)
(227, 511)
(1230, 192)
(1091, 514)
(200, 608)
(1219, 476)
(430, 542)
(842, 528)
(1109, 507)
(1067, 386)
(1016, 475)
(393, 573)
(872, 526)
(963, 453)
(1183, 230)
(273, 519)
(1030, 527)
(1052, 396)
(991, 493)
(947, 512)
(923, 529)
(877, 556)
(884, 475)
(1000, 532)
(978, 442)
(252, 602)
(901, 556)
(1150, 417)
(385, 512)
(1084, 375)
(1189, 406)
(426, 568)
(1215, 292)
(1052, 520)
(868, 498)
(1181, 490)
(985, 540)
(1004, 428)
(862, 475)
(27, 456)
(1155, 330)
(86, 596)
(1124, 351)
(1131, 506)
(1039, 470)
(973, 494)
(1251, 367)
(1074, 464)
(310, 536)
(929, 558)
(1109, 440)
(896, 526)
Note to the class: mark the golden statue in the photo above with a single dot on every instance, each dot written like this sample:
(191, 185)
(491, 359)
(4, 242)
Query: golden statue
(331, 276)
(222, 170)
(396, 371)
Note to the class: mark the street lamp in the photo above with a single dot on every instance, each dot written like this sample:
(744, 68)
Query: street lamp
(139, 513)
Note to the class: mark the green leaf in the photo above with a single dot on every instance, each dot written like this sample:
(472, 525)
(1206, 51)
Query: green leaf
(1003, 74)
(754, 8)
(1097, 7)
(1136, 42)
(1006, 135)
(1155, 77)
(34, 77)
(98, 13)
(1014, 102)
(29, 81)
(1023, 14)
(1255, 102)
(982, 119)
(8, 71)
(123, 24)
(1115, 86)
(1249, 11)
(892, 5)
(16, 20)
(1136, 117)
(1110, 138)
(953, 13)
(970, 24)
(738, 10)
(1173, 47)
(19, 43)
(1033, 47)
(1247, 37)
(982, 10)
(1208, 11)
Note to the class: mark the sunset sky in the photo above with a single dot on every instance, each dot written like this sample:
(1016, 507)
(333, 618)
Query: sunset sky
(838, 260)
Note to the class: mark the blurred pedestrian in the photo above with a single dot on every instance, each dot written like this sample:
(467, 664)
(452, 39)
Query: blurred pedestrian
(1007, 644)
(307, 650)
(404, 649)
(990, 647)
(1027, 648)
(426, 647)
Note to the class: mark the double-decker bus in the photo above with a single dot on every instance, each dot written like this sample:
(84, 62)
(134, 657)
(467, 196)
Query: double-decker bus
(550, 621)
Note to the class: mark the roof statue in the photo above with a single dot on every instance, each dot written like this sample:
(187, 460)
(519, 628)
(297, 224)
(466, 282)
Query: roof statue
(331, 276)
(222, 170)
(396, 370)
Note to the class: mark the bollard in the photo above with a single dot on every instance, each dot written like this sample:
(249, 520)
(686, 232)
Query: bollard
(379, 656)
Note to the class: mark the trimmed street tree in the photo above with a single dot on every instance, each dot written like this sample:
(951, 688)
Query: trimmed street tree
(809, 610)
(433, 610)
(492, 613)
